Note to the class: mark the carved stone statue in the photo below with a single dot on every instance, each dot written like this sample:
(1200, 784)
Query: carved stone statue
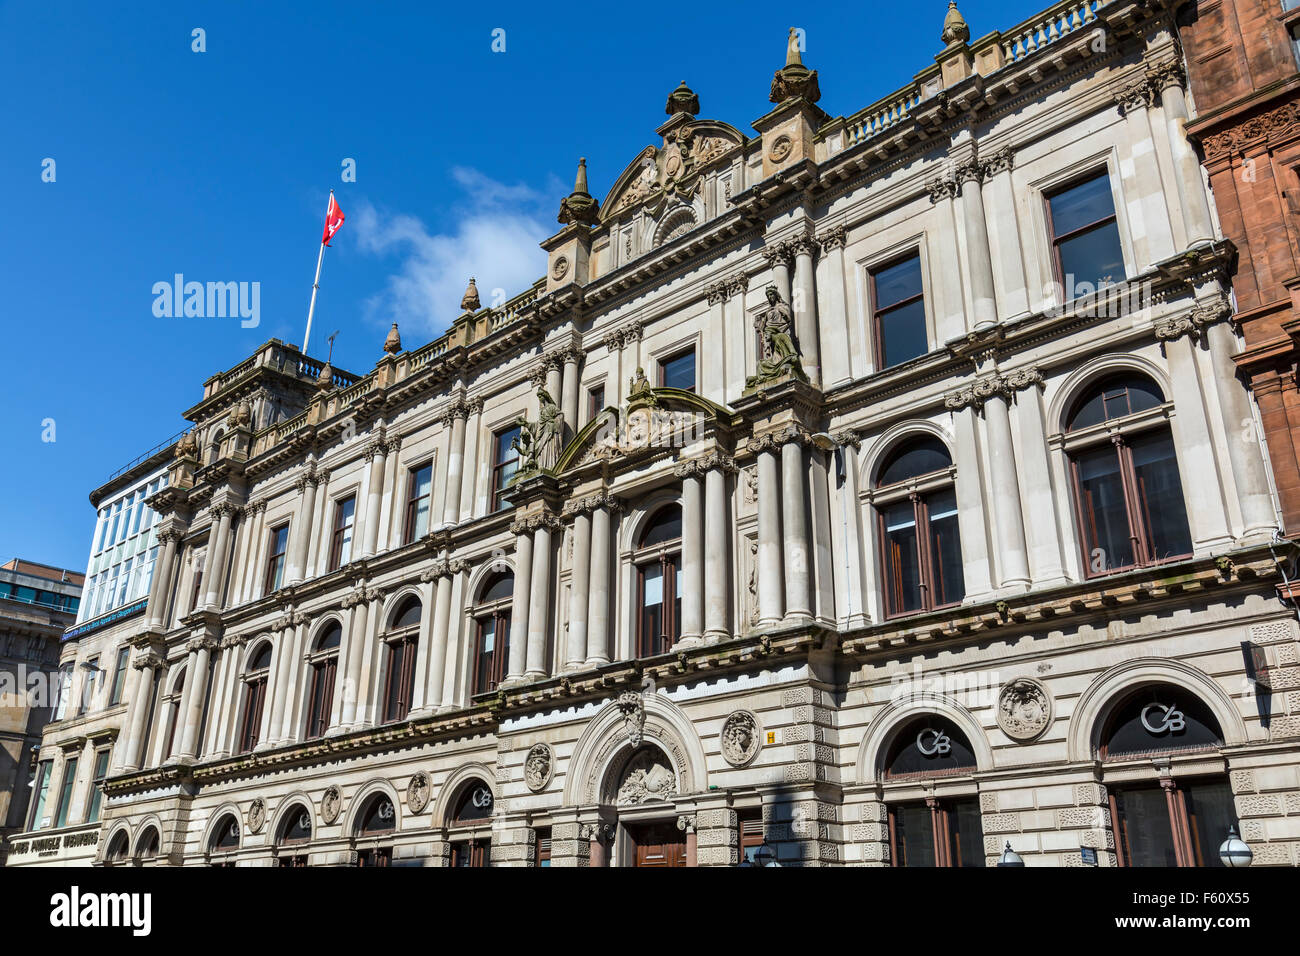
(538, 442)
(639, 391)
(780, 357)
(188, 446)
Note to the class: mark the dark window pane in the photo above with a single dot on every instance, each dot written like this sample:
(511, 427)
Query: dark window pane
(1094, 257)
(1160, 719)
(678, 372)
(499, 588)
(1210, 811)
(1114, 398)
(929, 745)
(1103, 511)
(914, 835)
(902, 563)
(475, 803)
(331, 637)
(486, 647)
(408, 616)
(1144, 827)
(664, 527)
(902, 334)
(913, 459)
(1161, 495)
(945, 549)
(898, 282)
(1082, 205)
(967, 833)
(379, 816)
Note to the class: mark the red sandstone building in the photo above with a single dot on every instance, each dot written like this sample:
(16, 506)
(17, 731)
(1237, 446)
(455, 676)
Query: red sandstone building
(1243, 57)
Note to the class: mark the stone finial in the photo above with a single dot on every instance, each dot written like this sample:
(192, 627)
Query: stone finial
(682, 100)
(579, 205)
(393, 344)
(242, 416)
(955, 29)
(794, 80)
(326, 377)
(469, 302)
(188, 446)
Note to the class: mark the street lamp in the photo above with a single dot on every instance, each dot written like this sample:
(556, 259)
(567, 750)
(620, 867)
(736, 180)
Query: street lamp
(763, 856)
(1235, 852)
(1010, 857)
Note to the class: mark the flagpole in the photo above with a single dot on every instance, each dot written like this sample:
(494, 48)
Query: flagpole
(315, 286)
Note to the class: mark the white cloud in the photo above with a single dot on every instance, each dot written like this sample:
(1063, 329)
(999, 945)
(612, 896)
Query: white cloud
(495, 240)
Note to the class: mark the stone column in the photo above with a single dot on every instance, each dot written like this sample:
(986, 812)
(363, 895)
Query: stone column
(717, 549)
(161, 585)
(970, 502)
(570, 394)
(146, 665)
(713, 377)
(1004, 235)
(579, 591)
(1034, 466)
(950, 304)
(555, 377)
(377, 455)
(278, 685)
(519, 604)
(733, 314)
(833, 318)
(1154, 242)
(196, 689)
(804, 306)
(771, 590)
(355, 649)
(424, 643)
(848, 536)
(778, 260)
(1259, 518)
(692, 576)
(289, 719)
(979, 257)
(794, 524)
(214, 738)
(1009, 522)
(539, 602)
(296, 572)
(602, 542)
(1168, 80)
(219, 539)
(456, 419)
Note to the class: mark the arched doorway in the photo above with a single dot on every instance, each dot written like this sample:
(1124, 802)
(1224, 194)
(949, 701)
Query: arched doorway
(641, 786)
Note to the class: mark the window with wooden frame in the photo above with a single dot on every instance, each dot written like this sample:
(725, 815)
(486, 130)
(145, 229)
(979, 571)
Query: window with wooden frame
(542, 846)
(324, 664)
(99, 773)
(472, 813)
(225, 836)
(752, 833)
(345, 514)
(595, 401)
(938, 832)
(678, 371)
(898, 312)
(419, 502)
(1128, 496)
(915, 497)
(491, 617)
(255, 678)
(505, 465)
(658, 583)
(277, 549)
(378, 819)
(1086, 250)
(172, 708)
(403, 641)
(1174, 822)
(65, 792)
(118, 685)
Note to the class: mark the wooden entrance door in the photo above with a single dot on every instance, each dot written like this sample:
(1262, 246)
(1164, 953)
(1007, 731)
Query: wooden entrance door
(659, 845)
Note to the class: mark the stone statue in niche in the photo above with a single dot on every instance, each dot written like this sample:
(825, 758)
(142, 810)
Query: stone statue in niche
(538, 442)
(647, 777)
(780, 359)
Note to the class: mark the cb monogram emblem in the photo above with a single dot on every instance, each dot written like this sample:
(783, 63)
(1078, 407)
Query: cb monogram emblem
(933, 742)
(1168, 719)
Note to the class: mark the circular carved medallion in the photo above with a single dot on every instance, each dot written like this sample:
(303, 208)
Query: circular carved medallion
(539, 767)
(256, 815)
(560, 269)
(740, 743)
(418, 791)
(1024, 709)
(330, 804)
(781, 149)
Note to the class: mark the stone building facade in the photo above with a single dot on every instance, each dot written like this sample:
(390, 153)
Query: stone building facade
(1243, 60)
(870, 489)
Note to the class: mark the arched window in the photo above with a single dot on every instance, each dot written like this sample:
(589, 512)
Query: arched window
(225, 837)
(294, 833)
(255, 678)
(118, 848)
(378, 819)
(1171, 820)
(147, 846)
(916, 514)
(658, 582)
(324, 662)
(214, 450)
(492, 632)
(1128, 494)
(471, 813)
(944, 830)
(403, 640)
(171, 711)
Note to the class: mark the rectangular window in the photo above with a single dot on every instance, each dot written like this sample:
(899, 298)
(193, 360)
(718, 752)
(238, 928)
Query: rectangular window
(1085, 237)
(505, 464)
(595, 401)
(543, 853)
(942, 833)
(275, 563)
(419, 500)
(42, 793)
(678, 371)
(898, 312)
(64, 691)
(119, 676)
(96, 782)
(1182, 826)
(196, 592)
(65, 792)
(922, 571)
(341, 543)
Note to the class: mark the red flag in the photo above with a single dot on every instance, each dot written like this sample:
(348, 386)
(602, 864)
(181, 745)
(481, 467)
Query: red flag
(333, 220)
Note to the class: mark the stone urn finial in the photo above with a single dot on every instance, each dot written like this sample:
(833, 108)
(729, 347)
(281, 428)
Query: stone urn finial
(955, 30)
(393, 344)
(470, 302)
(682, 100)
(579, 205)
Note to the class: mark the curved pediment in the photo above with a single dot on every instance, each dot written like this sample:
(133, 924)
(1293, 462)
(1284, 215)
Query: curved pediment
(656, 421)
(675, 170)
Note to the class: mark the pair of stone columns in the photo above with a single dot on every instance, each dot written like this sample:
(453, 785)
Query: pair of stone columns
(193, 697)
(146, 665)
(456, 418)
(218, 550)
(530, 612)
(784, 548)
(304, 517)
(160, 587)
(589, 594)
(706, 531)
(435, 628)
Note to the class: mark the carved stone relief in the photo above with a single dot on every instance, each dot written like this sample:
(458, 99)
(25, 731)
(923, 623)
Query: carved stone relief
(1024, 709)
(740, 738)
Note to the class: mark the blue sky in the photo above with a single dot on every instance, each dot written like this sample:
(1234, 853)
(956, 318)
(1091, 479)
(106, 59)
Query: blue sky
(217, 165)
